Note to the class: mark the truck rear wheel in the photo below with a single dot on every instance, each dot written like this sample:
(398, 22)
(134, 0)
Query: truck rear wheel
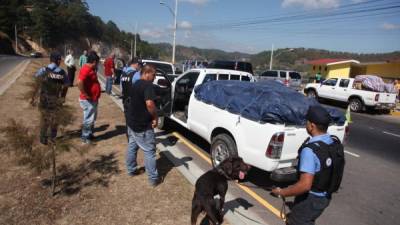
(355, 105)
(222, 147)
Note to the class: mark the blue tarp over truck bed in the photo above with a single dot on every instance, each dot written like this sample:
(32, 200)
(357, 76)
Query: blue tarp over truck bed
(265, 102)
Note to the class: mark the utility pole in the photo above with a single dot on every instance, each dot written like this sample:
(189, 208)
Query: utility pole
(16, 39)
(131, 48)
(175, 27)
(272, 56)
(136, 26)
(174, 14)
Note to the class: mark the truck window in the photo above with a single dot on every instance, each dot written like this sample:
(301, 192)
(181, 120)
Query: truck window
(294, 76)
(210, 77)
(282, 74)
(245, 78)
(344, 83)
(223, 77)
(235, 77)
(270, 74)
(330, 82)
(189, 80)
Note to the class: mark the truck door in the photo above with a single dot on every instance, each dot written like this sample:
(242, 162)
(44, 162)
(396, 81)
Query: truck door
(343, 90)
(327, 88)
(162, 88)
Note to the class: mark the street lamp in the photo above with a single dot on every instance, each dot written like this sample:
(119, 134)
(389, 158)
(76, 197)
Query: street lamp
(174, 14)
(131, 47)
(272, 55)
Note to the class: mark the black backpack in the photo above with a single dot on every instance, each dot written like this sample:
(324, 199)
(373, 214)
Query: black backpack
(332, 163)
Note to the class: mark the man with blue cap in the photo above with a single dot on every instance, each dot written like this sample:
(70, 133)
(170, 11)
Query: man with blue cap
(313, 189)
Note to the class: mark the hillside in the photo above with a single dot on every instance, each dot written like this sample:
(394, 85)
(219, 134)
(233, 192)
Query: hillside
(283, 58)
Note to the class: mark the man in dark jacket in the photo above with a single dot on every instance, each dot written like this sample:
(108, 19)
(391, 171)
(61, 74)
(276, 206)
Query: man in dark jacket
(53, 83)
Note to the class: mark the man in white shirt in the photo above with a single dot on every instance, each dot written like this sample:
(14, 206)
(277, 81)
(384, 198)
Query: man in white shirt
(70, 63)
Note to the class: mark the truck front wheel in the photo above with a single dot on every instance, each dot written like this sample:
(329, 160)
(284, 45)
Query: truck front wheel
(311, 93)
(222, 147)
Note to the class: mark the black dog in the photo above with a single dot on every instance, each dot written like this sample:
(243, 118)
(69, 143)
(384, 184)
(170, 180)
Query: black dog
(215, 182)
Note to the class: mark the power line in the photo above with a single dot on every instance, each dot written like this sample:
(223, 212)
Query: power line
(304, 17)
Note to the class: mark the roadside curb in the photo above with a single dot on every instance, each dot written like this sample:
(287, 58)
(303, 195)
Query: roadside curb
(191, 171)
(17, 72)
(395, 113)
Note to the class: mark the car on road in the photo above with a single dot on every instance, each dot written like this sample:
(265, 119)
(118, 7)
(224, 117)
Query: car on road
(36, 55)
(344, 90)
(231, 65)
(268, 146)
(291, 79)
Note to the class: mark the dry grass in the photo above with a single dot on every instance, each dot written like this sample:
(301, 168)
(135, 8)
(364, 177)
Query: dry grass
(93, 188)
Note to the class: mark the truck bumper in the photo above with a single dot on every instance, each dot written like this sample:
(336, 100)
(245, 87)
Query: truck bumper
(287, 174)
(385, 106)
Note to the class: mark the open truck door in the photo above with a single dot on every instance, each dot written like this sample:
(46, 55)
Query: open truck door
(162, 88)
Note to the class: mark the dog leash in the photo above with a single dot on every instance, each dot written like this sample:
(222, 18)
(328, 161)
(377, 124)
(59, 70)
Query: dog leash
(283, 208)
(282, 212)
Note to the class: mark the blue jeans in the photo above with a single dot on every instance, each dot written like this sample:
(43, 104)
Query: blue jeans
(89, 117)
(146, 141)
(109, 82)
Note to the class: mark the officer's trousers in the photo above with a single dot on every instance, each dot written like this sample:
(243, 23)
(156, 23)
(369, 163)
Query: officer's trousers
(48, 124)
(306, 209)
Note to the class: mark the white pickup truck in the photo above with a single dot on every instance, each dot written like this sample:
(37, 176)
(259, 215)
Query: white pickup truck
(270, 147)
(343, 90)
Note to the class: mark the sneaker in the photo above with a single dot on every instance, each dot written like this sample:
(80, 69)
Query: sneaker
(86, 141)
(155, 183)
(136, 172)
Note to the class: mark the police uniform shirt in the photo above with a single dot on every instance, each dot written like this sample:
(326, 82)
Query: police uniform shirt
(309, 162)
(42, 71)
(136, 76)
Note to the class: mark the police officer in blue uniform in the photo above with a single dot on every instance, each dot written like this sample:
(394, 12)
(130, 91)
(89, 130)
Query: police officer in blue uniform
(311, 190)
(130, 74)
(53, 86)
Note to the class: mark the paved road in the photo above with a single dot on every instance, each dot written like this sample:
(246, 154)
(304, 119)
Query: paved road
(7, 63)
(371, 185)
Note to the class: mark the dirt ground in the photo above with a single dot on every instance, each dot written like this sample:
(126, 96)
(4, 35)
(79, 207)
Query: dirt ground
(93, 188)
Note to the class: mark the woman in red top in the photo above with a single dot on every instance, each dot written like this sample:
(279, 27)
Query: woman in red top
(90, 89)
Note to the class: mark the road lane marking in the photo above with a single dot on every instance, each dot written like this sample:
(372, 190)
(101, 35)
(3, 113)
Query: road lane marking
(396, 135)
(192, 147)
(352, 154)
(250, 192)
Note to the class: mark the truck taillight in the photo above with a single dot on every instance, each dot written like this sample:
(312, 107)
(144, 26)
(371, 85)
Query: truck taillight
(347, 130)
(376, 97)
(286, 82)
(275, 146)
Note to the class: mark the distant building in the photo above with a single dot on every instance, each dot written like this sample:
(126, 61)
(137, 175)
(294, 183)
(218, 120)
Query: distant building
(344, 68)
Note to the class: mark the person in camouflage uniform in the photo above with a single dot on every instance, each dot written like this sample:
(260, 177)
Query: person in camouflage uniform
(52, 86)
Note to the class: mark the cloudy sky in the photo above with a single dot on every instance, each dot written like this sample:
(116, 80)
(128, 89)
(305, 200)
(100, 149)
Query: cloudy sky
(361, 26)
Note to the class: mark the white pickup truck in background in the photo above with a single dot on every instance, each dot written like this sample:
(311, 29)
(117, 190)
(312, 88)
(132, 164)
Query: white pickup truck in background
(343, 90)
(270, 147)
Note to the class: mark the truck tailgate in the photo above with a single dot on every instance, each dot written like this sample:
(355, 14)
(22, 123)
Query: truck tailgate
(294, 138)
(387, 98)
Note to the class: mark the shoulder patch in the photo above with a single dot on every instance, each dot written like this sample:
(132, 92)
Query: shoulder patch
(328, 162)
